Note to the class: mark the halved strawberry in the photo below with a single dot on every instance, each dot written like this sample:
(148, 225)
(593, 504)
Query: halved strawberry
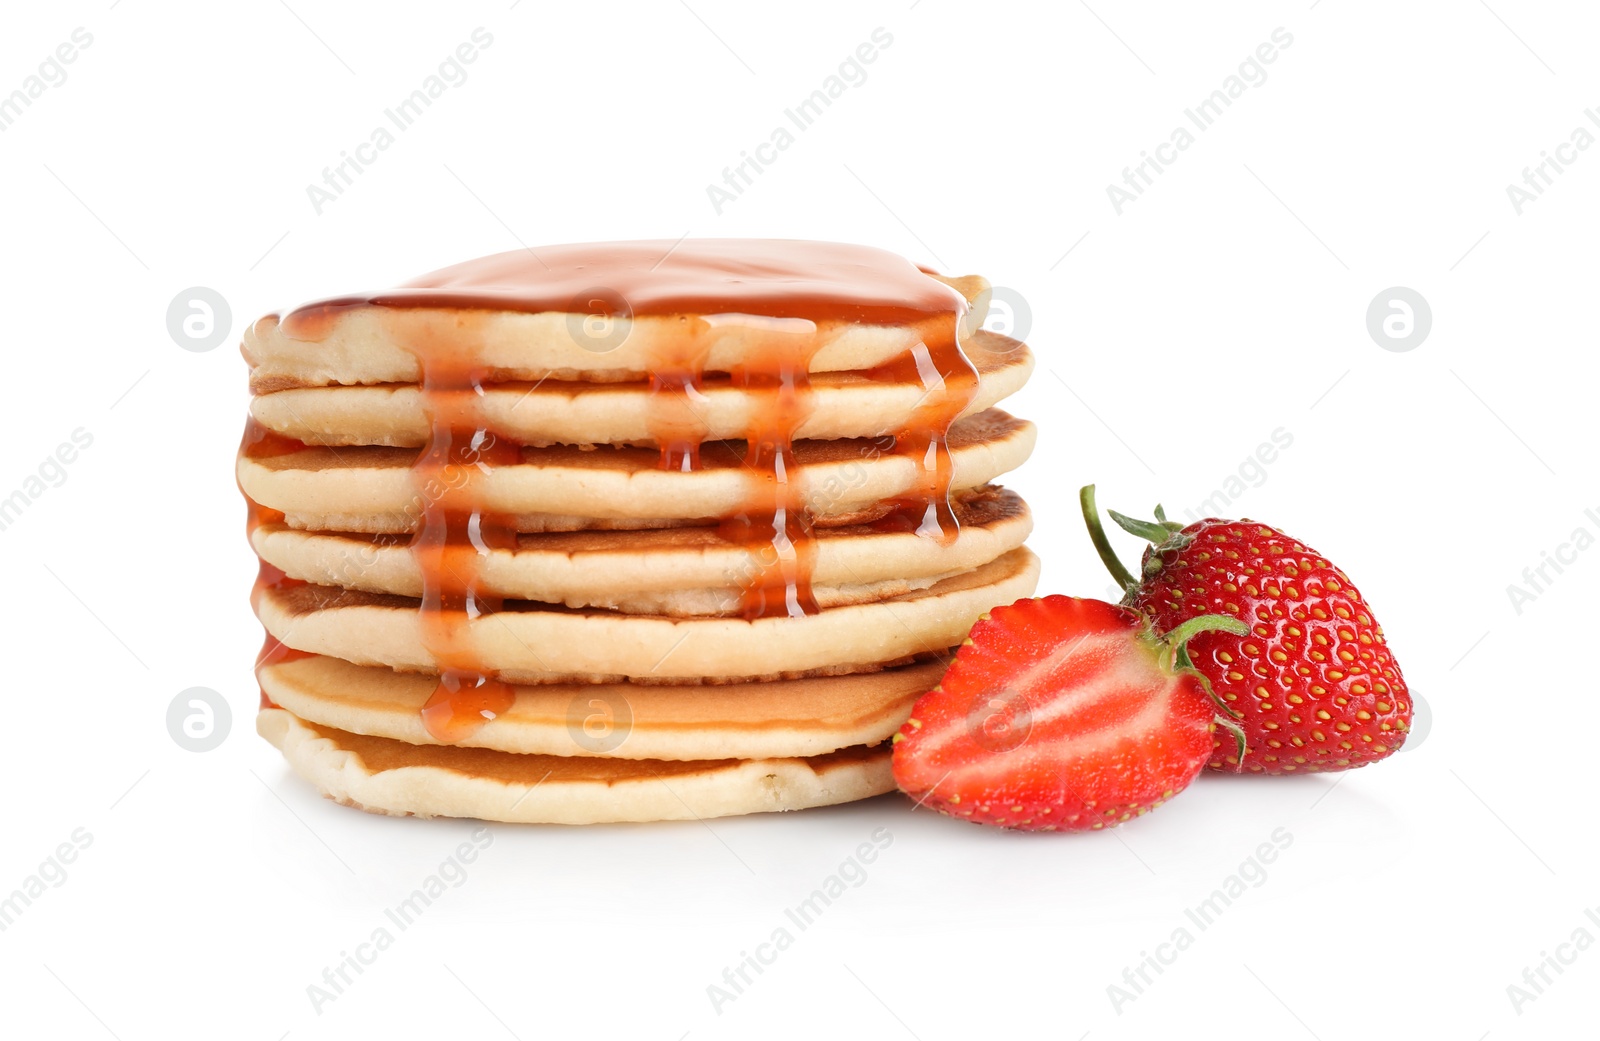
(1060, 714)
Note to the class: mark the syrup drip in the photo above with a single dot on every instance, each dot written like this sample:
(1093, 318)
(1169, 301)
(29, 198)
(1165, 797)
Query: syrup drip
(260, 443)
(774, 528)
(949, 382)
(453, 534)
(273, 651)
(677, 424)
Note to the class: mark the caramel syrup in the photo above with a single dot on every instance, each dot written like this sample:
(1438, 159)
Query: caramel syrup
(454, 532)
(786, 298)
(676, 422)
(949, 382)
(260, 443)
(772, 278)
(774, 526)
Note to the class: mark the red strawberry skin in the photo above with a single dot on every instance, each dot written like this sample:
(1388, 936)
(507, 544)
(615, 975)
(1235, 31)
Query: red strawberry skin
(1315, 683)
(1058, 714)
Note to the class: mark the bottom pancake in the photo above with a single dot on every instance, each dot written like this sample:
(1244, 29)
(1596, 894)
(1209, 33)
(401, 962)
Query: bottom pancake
(778, 720)
(391, 777)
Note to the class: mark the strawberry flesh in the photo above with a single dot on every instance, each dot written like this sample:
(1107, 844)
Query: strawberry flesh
(1058, 714)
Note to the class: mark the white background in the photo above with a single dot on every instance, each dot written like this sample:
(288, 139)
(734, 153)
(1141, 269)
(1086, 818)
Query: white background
(1228, 301)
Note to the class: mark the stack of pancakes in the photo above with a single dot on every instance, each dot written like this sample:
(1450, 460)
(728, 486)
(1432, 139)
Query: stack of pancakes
(631, 531)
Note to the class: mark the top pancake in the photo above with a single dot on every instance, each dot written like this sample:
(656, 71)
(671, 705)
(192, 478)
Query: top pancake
(623, 311)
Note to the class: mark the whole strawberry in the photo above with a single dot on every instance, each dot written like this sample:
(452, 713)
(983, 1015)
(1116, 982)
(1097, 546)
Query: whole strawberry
(1312, 684)
(1060, 715)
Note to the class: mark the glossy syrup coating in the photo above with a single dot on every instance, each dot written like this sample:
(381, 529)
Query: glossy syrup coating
(1313, 683)
(790, 297)
(764, 278)
(260, 443)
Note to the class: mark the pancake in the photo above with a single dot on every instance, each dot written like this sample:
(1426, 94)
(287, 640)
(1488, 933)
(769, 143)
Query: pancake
(531, 643)
(842, 404)
(563, 488)
(402, 780)
(613, 311)
(674, 571)
(781, 719)
(626, 531)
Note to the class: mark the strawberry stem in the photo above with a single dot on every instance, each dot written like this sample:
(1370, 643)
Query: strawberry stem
(1102, 545)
